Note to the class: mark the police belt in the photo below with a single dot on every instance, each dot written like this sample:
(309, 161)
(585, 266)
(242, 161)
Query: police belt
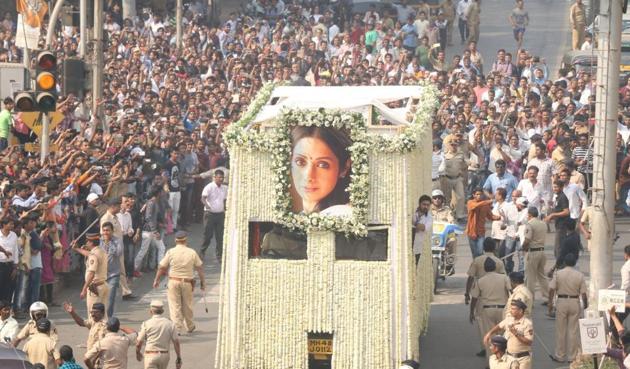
(568, 296)
(537, 249)
(493, 306)
(189, 280)
(519, 355)
(156, 352)
(453, 177)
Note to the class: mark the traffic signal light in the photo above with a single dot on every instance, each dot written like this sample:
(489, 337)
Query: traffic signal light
(74, 77)
(46, 82)
(24, 101)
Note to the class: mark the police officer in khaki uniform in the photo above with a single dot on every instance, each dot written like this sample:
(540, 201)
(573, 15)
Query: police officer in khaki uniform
(38, 310)
(95, 288)
(440, 212)
(577, 17)
(476, 269)
(179, 263)
(453, 181)
(569, 284)
(499, 358)
(158, 333)
(491, 292)
(112, 349)
(534, 246)
(519, 292)
(519, 332)
(96, 323)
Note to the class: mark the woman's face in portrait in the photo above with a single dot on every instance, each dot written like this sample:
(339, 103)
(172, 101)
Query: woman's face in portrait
(315, 170)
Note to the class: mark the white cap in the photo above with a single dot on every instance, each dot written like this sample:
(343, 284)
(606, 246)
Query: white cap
(436, 193)
(91, 197)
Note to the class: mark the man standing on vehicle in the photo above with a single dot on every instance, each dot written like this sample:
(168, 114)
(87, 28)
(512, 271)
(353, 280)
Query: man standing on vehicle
(423, 223)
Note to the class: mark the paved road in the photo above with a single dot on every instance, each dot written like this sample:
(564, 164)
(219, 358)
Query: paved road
(198, 347)
(546, 35)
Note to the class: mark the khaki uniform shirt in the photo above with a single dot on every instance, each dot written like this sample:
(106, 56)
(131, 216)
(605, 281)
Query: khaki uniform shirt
(505, 362)
(158, 332)
(108, 217)
(476, 267)
(181, 261)
(112, 350)
(30, 329)
(97, 262)
(577, 15)
(454, 164)
(97, 331)
(443, 214)
(520, 292)
(491, 289)
(473, 13)
(535, 232)
(568, 281)
(41, 349)
(523, 326)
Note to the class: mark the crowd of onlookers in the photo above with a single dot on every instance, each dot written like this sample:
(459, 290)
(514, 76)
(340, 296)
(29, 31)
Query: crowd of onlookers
(504, 121)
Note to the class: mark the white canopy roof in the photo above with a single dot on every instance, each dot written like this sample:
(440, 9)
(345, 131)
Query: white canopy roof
(351, 98)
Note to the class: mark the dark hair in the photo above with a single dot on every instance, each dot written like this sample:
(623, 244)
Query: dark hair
(501, 192)
(517, 277)
(338, 140)
(108, 224)
(424, 198)
(489, 244)
(570, 259)
(219, 172)
(533, 211)
(65, 352)
(626, 250)
(534, 168)
(4, 303)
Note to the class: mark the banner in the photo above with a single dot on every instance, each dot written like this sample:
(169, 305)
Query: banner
(33, 11)
(26, 35)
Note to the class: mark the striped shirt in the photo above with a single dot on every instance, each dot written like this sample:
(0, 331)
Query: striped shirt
(583, 153)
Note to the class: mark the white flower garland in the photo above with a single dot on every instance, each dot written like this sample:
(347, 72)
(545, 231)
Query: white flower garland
(278, 143)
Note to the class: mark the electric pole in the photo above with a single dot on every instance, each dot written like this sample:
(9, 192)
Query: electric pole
(178, 24)
(604, 146)
(82, 28)
(97, 69)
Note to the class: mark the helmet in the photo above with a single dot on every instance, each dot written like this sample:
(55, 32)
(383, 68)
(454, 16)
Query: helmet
(38, 307)
(437, 193)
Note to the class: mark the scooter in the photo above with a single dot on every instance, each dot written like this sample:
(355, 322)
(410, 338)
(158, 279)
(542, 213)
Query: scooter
(444, 234)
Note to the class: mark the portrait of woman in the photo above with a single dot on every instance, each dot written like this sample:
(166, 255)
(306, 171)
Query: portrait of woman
(320, 170)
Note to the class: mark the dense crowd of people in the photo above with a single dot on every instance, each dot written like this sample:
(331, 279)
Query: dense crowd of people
(509, 136)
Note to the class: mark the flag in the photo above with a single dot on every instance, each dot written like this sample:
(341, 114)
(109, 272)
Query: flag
(33, 11)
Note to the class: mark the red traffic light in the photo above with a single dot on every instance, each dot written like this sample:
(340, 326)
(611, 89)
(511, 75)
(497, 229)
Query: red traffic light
(24, 102)
(46, 60)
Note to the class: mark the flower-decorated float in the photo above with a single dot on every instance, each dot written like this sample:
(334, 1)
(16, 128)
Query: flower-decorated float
(318, 269)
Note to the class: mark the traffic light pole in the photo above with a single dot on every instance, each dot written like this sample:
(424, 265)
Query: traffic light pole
(45, 139)
(97, 71)
(604, 147)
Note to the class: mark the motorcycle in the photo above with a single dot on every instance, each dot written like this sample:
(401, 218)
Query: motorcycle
(444, 234)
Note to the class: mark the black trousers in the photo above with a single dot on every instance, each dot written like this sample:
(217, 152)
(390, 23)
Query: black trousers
(214, 228)
(463, 29)
(129, 255)
(7, 284)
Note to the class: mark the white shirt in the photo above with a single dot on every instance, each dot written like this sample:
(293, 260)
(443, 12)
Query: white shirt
(427, 220)
(625, 278)
(545, 174)
(9, 243)
(124, 218)
(498, 209)
(462, 9)
(437, 162)
(523, 217)
(214, 197)
(577, 199)
(421, 27)
(532, 192)
(511, 215)
(8, 328)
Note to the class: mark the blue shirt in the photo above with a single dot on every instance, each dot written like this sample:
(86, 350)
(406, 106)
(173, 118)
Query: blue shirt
(411, 35)
(113, 249)
(70, 365)
(507, 181)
